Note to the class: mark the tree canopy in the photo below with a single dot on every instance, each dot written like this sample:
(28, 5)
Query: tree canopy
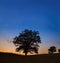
(28, 41)
(59, 50)
(52, 50)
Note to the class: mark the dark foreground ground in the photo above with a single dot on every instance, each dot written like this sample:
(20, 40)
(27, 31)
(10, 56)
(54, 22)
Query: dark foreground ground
(44, 58)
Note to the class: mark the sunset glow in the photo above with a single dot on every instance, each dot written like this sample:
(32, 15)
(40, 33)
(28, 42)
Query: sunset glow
(39, 15)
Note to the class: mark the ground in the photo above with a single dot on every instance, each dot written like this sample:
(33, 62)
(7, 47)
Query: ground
(43, 58)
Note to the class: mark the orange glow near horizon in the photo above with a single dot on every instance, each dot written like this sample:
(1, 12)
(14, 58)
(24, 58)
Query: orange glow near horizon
(8, 47)
(10, 51)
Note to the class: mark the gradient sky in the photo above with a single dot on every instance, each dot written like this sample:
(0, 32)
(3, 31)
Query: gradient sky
(39, 15)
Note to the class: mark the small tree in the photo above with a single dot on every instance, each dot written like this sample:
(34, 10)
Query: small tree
(52, 50)
(59, 50)
(28, 41)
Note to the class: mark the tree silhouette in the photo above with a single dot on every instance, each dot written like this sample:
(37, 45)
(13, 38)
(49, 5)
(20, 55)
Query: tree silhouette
(28, 41)
(52, 50)
(59, 50)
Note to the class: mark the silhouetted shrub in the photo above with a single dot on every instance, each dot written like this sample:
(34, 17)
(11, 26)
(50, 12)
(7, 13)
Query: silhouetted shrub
(52, 50)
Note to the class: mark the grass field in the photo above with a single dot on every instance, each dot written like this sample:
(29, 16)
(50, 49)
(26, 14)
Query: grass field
(43, 58)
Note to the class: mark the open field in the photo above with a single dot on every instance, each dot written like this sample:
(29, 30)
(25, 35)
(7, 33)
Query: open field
(43, 58)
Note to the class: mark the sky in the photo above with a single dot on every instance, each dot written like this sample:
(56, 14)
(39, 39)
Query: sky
(38, 15)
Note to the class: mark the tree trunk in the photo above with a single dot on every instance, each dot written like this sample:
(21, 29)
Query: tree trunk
(25, 54)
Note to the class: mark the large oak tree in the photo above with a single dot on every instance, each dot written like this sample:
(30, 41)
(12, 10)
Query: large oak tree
(28, 41)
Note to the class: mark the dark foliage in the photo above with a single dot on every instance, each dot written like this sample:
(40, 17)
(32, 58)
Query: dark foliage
(52, 50)
(27, 41)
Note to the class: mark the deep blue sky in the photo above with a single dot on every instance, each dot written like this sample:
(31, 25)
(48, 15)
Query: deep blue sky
(41, 15)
